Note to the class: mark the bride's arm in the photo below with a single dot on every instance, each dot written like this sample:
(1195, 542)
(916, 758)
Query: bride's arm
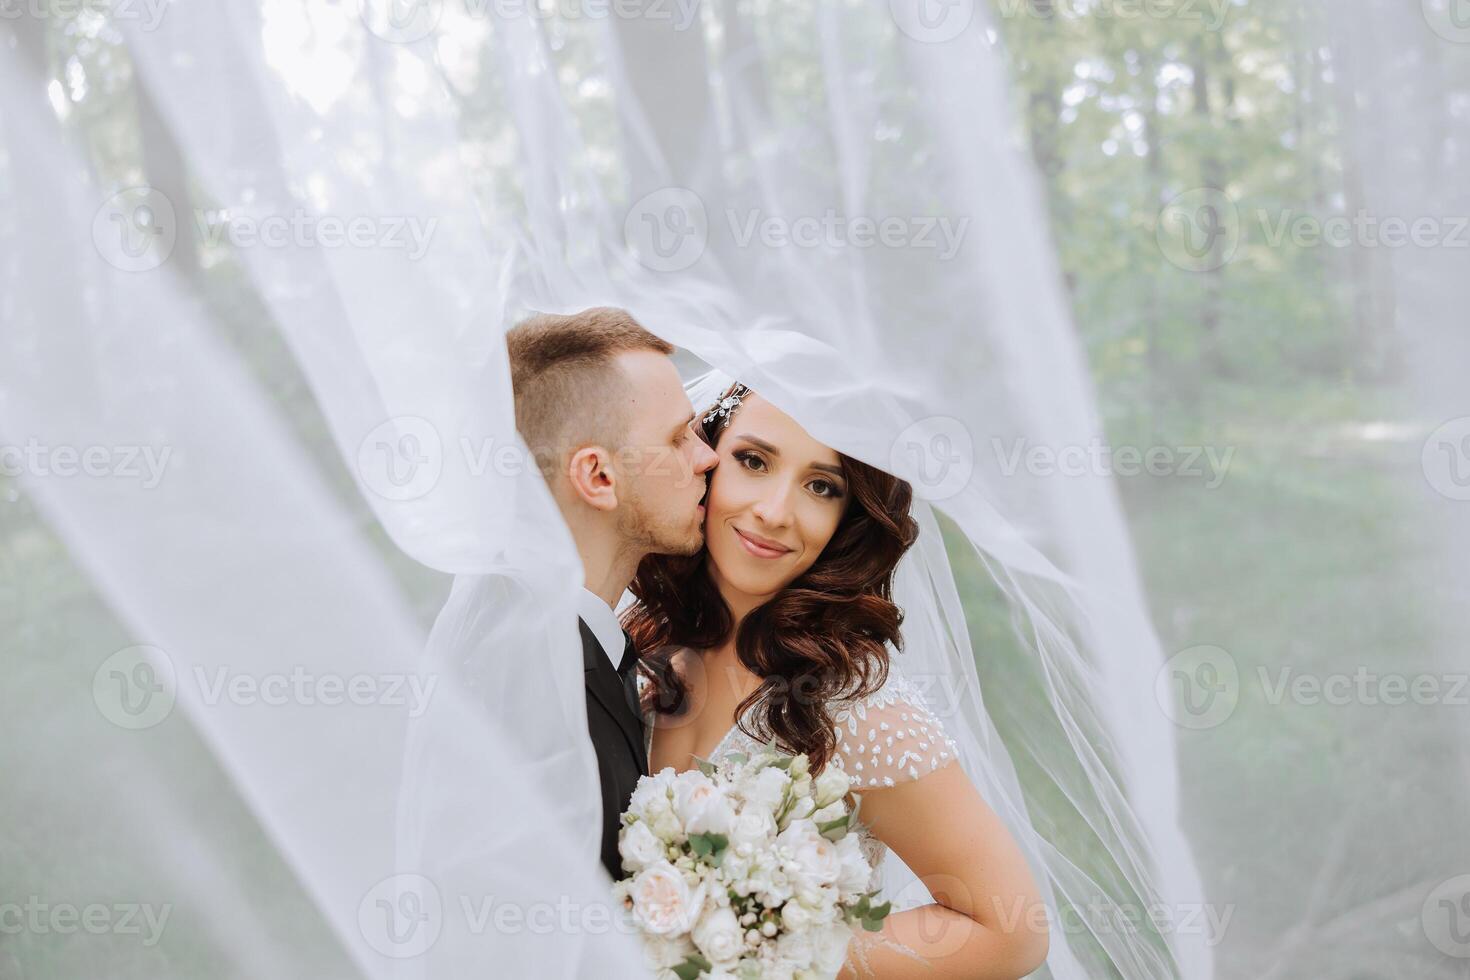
(987, 921)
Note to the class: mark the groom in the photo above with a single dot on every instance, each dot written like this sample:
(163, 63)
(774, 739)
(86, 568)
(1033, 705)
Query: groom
(601, 407)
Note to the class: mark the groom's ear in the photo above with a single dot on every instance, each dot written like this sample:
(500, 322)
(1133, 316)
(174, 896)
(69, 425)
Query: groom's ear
(592, 478)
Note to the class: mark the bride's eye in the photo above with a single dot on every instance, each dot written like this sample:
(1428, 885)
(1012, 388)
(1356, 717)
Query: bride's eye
(751, 461)
(825, 488)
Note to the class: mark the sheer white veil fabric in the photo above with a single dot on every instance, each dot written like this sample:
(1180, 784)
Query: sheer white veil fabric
(402, 822)
(661, 173)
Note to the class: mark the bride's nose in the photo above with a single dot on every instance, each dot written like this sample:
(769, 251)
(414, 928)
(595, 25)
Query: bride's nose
(774, 507)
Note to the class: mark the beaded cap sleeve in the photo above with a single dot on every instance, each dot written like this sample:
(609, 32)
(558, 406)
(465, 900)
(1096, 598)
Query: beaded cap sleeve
(890, 737)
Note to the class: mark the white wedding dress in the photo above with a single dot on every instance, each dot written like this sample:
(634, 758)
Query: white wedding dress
(887, 738)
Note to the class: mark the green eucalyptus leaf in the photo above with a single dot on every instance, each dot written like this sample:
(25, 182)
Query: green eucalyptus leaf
(692, 967)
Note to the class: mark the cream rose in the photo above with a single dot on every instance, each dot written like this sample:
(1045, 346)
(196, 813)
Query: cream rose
(663, 902)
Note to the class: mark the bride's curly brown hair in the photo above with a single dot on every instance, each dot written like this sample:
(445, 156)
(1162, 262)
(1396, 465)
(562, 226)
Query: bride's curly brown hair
(818, 641)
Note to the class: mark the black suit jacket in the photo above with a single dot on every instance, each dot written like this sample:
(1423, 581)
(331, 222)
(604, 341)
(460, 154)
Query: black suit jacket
(617, 735)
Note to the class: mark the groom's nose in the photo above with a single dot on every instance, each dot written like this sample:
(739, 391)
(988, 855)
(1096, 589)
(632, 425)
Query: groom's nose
(705, 458)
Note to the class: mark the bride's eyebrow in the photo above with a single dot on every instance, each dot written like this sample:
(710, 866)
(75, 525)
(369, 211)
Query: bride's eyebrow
(829, 468)
(772, 450)
(760, 444)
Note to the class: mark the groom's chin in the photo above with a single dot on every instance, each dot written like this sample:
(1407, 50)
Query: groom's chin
(692, 544)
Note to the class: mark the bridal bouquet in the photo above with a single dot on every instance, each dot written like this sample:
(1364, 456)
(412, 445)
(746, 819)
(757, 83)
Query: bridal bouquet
(745, 870)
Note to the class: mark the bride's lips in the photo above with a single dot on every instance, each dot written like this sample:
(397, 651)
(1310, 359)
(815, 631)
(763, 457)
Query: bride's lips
(762, 547)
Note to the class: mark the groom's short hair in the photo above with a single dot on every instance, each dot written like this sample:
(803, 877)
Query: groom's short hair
(565, 381)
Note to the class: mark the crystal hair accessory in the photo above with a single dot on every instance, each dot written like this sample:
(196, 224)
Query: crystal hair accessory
(727, 406)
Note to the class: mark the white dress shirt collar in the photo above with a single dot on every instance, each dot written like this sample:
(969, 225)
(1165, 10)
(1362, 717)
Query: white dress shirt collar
(604, 625)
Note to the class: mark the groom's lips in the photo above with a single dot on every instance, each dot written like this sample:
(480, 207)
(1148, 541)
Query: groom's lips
(762, 547)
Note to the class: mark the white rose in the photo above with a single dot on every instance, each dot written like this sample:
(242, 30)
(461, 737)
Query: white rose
(666, 952)
(801, 809)
(831, 785)
(651, 790)
(818, 858)
(796, 948)
(796, 917)
(719, 936)
(701, 805)
(856, 875)
(777, 888)
(830, 812)
(663, 902)
(756, 879)
(830, 948)
(753, 826)
(765, 791)
(639, 847)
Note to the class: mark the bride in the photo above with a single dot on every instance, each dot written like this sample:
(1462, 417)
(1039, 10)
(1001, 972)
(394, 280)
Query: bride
(781, 629)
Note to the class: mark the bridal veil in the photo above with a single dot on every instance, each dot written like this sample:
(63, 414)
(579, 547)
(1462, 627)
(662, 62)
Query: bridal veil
(312, 749)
